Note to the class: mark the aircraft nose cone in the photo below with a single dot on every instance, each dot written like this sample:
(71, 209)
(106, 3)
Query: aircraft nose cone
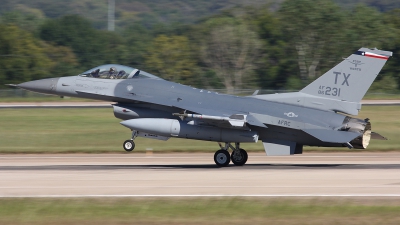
(46, 86)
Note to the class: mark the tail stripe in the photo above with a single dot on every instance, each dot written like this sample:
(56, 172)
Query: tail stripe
(371, 55)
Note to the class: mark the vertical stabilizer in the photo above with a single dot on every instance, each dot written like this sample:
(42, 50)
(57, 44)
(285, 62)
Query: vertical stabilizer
(350, 79)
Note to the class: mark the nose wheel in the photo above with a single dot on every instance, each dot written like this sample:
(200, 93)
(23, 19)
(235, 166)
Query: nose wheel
(129, 145)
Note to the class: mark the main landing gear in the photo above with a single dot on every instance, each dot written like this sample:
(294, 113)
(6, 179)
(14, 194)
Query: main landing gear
(129, 145)
(238, 157)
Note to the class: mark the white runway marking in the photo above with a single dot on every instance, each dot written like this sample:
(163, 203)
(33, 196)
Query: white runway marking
(134, 186)
(198, 196)
(100, 157)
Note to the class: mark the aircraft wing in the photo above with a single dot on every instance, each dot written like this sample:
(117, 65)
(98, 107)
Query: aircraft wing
(332, 136)
(220, 118)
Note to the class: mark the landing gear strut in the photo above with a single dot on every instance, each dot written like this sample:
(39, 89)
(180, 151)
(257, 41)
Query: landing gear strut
(222, 158)
(129, 145)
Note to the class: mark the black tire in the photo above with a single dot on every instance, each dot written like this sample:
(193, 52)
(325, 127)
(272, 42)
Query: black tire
(129, 145)
(241, 160)
(246, 156)
(222, 158)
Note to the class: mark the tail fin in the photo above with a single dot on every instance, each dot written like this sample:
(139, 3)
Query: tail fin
(350, 79)
(341, 88)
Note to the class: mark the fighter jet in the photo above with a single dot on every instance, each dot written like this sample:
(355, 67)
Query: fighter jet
(151, 107)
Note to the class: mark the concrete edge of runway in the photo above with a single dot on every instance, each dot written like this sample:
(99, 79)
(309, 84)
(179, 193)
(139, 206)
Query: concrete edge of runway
(208, 196)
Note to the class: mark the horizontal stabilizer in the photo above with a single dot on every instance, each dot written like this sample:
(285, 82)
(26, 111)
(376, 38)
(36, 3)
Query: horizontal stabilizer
(332, 136)
(377, 136)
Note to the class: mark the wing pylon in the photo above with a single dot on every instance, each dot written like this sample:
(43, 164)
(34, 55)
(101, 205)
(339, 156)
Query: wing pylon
(235, 120)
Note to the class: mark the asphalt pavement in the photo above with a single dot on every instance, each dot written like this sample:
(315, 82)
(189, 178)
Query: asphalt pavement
(195, 175)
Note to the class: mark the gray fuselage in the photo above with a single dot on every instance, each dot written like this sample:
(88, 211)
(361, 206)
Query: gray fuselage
(284, 121)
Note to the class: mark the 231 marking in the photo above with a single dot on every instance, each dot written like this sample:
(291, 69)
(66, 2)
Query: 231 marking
(329, 91)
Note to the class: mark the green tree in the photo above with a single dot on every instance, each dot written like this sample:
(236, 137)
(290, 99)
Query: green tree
(367, 27)
(275, 64)
(392, 69)
(315, 30)
(22, 57)
(26, 19)
(171, 58)
(231, 51)
(64, 60)
(92, 47)
(138, 40)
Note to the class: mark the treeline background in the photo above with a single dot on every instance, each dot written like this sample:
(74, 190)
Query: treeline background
(219, 44)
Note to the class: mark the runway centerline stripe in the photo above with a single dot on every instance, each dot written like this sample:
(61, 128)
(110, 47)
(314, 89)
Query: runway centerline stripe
(199, 196)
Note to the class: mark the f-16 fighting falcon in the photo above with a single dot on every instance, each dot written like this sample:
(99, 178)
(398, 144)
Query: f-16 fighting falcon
(151, 107)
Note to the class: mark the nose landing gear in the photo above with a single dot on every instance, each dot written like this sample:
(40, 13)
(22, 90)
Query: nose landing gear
(129, 145)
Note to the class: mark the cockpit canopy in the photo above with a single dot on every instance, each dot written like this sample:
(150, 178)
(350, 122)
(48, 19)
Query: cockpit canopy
(115, 71)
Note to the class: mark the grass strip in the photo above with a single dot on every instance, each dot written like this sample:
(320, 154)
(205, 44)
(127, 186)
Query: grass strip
(198, 211)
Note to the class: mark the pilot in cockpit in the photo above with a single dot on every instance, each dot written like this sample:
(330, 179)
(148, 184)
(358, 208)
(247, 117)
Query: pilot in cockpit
(112, 73)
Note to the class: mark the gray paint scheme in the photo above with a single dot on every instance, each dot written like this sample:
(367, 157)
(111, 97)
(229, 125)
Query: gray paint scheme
(308, 117)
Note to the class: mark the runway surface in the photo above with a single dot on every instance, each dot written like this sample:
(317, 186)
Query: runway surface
(194, 174)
